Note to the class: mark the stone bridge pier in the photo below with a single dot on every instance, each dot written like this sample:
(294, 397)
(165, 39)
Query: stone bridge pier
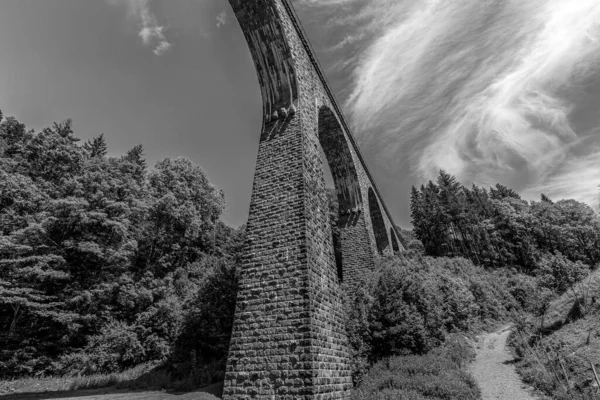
(289, 339)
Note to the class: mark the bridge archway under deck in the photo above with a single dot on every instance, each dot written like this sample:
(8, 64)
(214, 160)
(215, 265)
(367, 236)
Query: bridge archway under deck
(339, 157)
(395, 246)
(379, 230)
(354, 239)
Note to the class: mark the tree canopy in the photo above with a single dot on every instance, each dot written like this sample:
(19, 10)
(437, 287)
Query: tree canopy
(496, 228)
(99, 254)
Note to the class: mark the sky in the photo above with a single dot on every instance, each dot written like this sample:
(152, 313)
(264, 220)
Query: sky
(489, 90)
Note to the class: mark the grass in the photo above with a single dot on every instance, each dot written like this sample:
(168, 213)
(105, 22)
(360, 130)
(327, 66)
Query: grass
(70, 383)
(561, 310)
(556, 351)
(438, 375)
(143, 377)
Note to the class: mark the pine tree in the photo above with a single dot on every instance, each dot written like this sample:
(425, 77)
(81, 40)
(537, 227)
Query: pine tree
(135, 155)
(27, 281)
(546, 199)
(96, 148)
(13, 135)
(52, 156)
(502, 192)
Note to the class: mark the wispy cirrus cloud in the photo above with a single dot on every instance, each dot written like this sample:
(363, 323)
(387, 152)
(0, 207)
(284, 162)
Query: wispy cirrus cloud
(484, 89)
(574, 179)
(150, 31)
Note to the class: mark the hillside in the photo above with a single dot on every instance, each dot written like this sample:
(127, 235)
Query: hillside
(568, 334)
(107, 266)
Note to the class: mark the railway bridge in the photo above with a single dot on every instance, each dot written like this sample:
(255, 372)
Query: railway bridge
(289, 339)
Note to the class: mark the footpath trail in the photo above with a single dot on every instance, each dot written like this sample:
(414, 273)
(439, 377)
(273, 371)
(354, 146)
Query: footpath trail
(494, 371)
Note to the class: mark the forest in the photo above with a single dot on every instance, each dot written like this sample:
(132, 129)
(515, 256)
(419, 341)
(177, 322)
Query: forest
(107, 264)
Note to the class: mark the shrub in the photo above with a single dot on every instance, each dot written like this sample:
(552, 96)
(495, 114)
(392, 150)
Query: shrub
(432, 376)
(203, 345)
(115, 349)
(410, 303)
(558, 273)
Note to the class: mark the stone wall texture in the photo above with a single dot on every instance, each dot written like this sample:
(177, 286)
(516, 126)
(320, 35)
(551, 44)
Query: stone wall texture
(289, 339)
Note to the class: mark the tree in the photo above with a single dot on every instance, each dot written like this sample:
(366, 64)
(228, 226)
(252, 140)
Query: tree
(33, 313)
(207, 327)
(185, 207)
(96, 148)
(27, 282)
(502, 192)
(101, 261)
(559, 274)
(50, 157)
(452, 201)
(12, 135)
(546, 199)
(498, 228)
(579, 227)
(20, 202)
(136, 155)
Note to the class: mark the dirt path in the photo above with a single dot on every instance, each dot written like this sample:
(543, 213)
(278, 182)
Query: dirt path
(494, 371)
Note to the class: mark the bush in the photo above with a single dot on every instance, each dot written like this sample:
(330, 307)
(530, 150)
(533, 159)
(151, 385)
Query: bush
(115, 349)
(202, 347)
(437, 375)
(558, 273)
(411, 303)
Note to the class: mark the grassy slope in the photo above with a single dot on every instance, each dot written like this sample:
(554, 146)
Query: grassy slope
(560, 309)
(142, 379)
(111, 394)
(569, 336)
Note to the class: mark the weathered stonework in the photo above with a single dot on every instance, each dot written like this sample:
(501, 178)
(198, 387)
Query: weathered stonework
(289, 340)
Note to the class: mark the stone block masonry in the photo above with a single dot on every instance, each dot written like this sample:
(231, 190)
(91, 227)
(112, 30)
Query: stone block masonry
(289, 339)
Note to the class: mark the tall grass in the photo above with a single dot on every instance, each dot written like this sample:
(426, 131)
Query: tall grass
(149, 376)
(560, 351)
(141, 375)
(440, 374)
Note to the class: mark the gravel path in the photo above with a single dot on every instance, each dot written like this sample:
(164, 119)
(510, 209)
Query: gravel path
(494, 371)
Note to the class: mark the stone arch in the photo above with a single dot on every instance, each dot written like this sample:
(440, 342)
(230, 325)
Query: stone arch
(341, 164)
(395, 246)
(379, 230)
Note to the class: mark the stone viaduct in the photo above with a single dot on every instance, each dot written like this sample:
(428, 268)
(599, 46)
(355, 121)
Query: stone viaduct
(289, 339)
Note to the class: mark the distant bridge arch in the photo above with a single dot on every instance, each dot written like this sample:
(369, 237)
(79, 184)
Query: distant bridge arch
(395, 246)
(289, 339)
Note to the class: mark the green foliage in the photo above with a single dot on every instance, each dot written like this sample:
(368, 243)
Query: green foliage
(201, 348)
(559, 273)
(567, 333)
(103, 263)
(496, 228)
(181, 217)
(114, 349)
(96, 148)
(540, 253)
(106, 264)
(437, 375)
(562, 372)
(410, 305)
